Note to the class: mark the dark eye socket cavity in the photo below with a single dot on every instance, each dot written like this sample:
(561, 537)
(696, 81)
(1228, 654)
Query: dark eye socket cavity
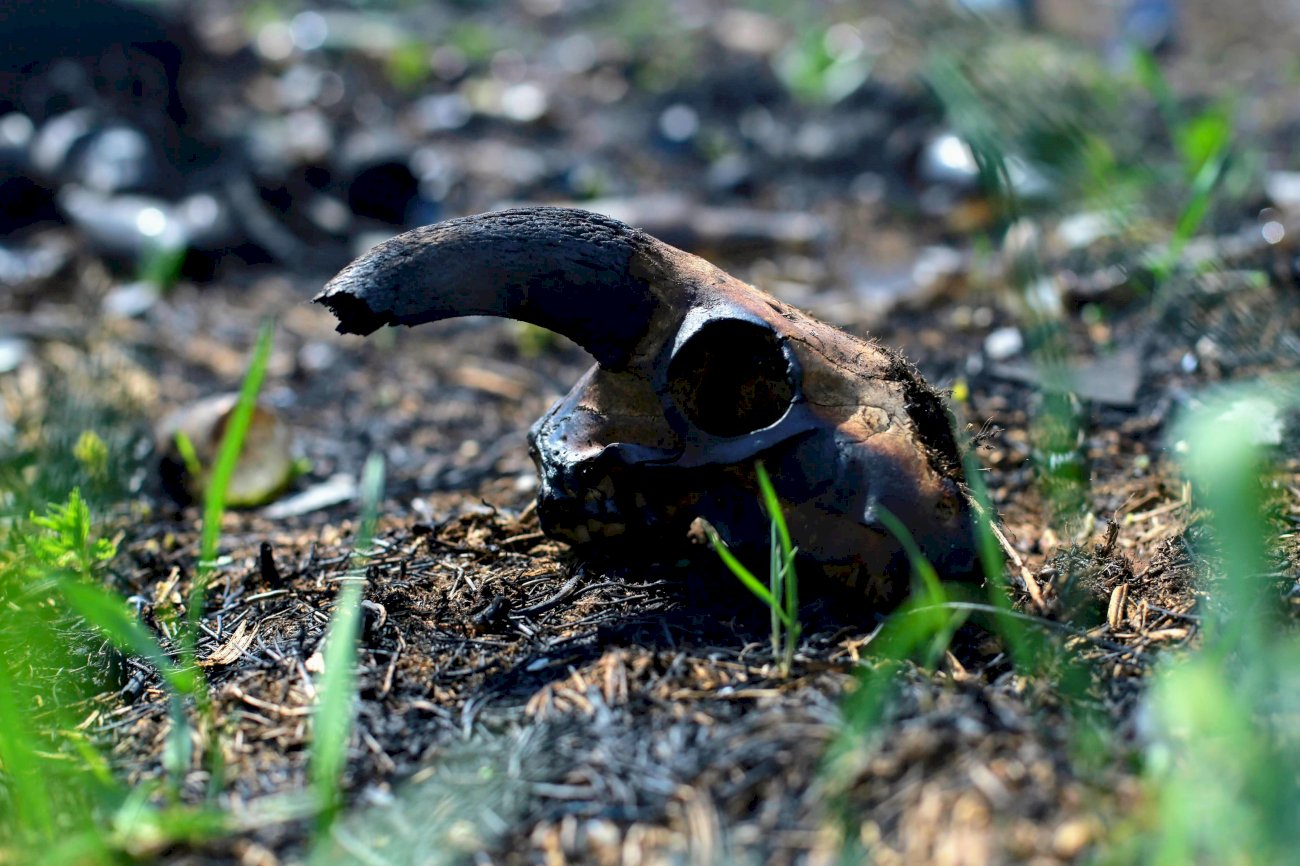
(730, 378)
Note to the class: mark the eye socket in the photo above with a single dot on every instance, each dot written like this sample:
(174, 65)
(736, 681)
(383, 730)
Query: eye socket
(731, 378)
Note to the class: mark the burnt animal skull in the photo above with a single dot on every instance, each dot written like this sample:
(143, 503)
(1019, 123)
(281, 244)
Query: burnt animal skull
(697, 375)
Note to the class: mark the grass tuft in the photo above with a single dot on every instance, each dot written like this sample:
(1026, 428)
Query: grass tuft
(781, 594)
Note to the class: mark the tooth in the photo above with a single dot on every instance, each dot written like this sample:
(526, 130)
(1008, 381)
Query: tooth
(581, 535)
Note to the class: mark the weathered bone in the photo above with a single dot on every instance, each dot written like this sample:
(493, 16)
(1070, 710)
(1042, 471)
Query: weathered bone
(697, 375)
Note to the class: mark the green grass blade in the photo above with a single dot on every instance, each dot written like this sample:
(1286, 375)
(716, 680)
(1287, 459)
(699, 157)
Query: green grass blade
(773, 507)
(214, 503)
(1198, 204)
(1222, 753)
(1153, 79)
(743, 574)
(990, 552)
(29, 793)
(189, 456)
(332, 721)
(785, 582)
(115, 621)
(1027, 650)
(934, 623)
(1226, 467)
(930, 585)
(775, 580)
(111, 617)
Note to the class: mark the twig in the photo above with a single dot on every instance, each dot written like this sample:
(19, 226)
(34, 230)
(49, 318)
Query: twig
(267, 706)
(1026, 578)
(536, 535)
(553, 601)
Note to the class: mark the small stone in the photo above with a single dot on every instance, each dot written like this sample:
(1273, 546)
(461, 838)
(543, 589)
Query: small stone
(1071, 838)
(1003, 343)
(13, 350)
(1082, 230)
(336, 490)
(130, 301)
(1283, 189)
(525, 102)
(747, 32)
(679, 123)
(938, 271)
(948, 160)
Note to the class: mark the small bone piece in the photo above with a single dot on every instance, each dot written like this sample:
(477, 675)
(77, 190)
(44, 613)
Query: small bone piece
(1117, 610)
(265, 466)
(697, 375)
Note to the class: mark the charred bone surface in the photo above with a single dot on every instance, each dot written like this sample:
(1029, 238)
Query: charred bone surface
(697, 375)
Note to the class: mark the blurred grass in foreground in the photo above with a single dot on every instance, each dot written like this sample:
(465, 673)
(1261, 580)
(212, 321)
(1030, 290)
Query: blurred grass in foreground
(66, 803)
(1222, 725)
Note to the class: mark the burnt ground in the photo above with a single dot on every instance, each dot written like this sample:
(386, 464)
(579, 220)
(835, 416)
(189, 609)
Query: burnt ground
(635, 709)
(519, 704)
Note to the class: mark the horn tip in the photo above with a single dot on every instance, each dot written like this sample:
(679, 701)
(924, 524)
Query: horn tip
(354, 314)
(361, 295)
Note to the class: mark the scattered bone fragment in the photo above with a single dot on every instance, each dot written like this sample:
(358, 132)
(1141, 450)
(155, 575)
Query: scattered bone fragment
(265, 466)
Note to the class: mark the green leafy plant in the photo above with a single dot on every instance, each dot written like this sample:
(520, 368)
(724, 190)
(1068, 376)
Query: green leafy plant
(407, 64)
(1203, 144)
(91, 453)
(63, 539)
(160, 265)
(781, 594)
(824, 65)
(74, 809)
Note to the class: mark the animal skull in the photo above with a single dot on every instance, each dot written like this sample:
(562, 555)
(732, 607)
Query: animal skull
(697, 375)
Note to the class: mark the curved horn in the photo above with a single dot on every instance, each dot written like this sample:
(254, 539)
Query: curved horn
(563, 269)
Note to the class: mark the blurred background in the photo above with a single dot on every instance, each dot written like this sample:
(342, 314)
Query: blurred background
(192, 141)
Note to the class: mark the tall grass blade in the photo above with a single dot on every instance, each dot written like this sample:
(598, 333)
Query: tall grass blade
(933, 621)
(1227, 468)
(332, 721)
(1222, 752)
(784, 581)
(773, 507)
(743, 574)
(214, 503)
(781, 595)
(28, 793)
(114, 620)
(775, 578)
(1153, 79)
(1027, 650)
